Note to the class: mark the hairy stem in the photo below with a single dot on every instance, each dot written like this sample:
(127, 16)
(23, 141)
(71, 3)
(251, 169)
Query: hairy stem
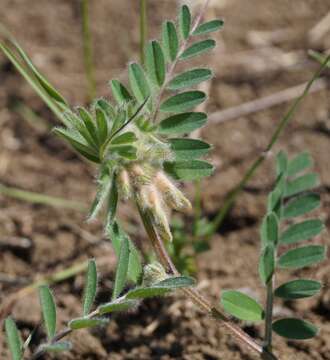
(143, 29)
(88, 50)
(194, 295)
(229, 201)
(269, 316)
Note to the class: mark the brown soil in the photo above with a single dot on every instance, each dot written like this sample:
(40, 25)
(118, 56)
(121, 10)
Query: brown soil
(32, 158)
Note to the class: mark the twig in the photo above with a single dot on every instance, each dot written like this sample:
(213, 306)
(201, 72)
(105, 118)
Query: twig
(263, 103)
(195, 296)
(229, 201)
(320, 29)
(38, 198)
(143, 29)
(88, 50)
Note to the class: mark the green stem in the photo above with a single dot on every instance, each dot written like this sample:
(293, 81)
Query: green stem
(88, 50)
(269, 316)
(229, 201)
(143, 29)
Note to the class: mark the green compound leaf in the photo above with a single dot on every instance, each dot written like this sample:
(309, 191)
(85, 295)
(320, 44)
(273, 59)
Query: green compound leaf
(126, 151)
(198, 48)
(102, 125)
(48, 310)
(116, 234)
(300, 163)
(185, 21)
(57, 347)
(295, 329)
(114, 306)
(83, 323)
(188, 149)
(183, 102)
(303, 256)
(155, 63)
(269, 229)
(176, 282)
(182, 123)
(147, 292)
(189, 170)
(301, 205)
(120, 93)
(241, 306)
(106, 107)
(126, 138)
(302, 231)
(190, 78)
(122, 268)
(170, 40)
(267, 263)
(13, 339)
(208, 27)
(298, 289)
(90, 287)
(78, 143)
(274, 201)
(138, 82)
(89, 125)
(302, 183)
(281, 163)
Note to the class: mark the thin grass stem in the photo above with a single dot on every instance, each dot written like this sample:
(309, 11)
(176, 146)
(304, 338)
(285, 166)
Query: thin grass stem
(143, 29)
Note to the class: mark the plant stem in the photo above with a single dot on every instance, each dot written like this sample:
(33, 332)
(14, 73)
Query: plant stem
(229, 201)
(194, 295)
(143, 29)
(269, 316)
(41, 198)
(88, 50)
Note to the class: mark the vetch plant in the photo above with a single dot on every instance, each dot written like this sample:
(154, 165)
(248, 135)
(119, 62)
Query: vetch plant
(139, 147)
(280, 229)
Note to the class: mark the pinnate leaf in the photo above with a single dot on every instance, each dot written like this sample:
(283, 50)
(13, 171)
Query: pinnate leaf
(56, 347)
(267, 263)
(298, 289)
(122, 268)
(301, 205)
(241, 306)
(114, 306)
(198, 48)
(138, 82)
(185, 21)
(170, 40)
(83, 323)
(188, 170)
(300, 163)
(176, 282)
(48, 310)
(281, 162)
(90, 287)
(302, 183)
(269, 229)
(188, 149)
(182, 123)
(13, 339)
(295, 329)
(190, 78)
(302, 231)
(208, 27)
(183, 102)
(120, 92)
(155, 63)
(303, 256)
(147, 292)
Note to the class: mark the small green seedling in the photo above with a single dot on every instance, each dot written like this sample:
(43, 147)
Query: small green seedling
(280, 230)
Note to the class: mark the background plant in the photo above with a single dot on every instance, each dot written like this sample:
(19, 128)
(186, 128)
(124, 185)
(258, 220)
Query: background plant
(290, 199)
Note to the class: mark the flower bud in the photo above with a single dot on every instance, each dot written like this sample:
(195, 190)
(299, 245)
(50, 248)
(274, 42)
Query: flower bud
(153, 273)
(140, 175)
(150, 199)
(124, 184)
(173, 197)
